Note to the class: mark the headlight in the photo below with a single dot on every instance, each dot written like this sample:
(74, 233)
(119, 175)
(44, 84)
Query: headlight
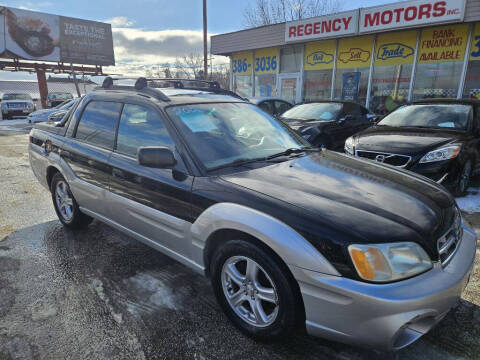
(389, 262)
(445, 153)
(349, 145)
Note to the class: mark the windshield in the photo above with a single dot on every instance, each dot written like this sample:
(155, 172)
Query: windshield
(454, 116)
(60, 96)
(314, 111)
(16, 97)
(220, 133)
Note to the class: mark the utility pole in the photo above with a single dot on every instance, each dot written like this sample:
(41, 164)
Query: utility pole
(205, 47)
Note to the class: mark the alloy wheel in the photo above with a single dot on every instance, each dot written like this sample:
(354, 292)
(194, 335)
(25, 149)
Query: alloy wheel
(249, 291)
(64, 201)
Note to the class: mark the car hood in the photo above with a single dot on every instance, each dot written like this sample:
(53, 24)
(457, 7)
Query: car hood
(371, 202)
(42, 113)
(402, 140)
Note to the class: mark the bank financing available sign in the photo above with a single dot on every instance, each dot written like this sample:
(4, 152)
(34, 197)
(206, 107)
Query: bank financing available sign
(44, 37)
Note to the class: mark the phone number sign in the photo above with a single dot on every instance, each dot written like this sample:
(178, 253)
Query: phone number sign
(266, 61)
(242, 63)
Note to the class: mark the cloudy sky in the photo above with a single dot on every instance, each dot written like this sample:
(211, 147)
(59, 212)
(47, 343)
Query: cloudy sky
(151, 32)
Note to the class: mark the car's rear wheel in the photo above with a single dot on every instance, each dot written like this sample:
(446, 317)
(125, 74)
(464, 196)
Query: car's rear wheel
(65, 204)
(253, 291)
(463, 181)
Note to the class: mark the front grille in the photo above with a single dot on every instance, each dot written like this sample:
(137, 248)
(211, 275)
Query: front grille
(386, 158)
(16, 105)
(448, 244)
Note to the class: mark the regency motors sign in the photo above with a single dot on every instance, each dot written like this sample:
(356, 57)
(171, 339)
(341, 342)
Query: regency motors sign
(411, 13)
(379, 18)
(345, 23)
(38, 36)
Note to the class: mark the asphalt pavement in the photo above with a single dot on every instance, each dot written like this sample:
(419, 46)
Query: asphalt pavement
(98, 294)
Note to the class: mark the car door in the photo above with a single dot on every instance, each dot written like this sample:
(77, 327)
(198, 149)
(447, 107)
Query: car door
(342, 127)
(88, 150)
(153, 203)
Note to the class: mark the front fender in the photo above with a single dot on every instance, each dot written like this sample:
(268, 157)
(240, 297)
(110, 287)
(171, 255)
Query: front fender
(292, 248)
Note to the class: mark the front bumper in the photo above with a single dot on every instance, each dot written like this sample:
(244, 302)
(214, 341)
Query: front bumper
(16, 112)
(384, 316)
(443, 172)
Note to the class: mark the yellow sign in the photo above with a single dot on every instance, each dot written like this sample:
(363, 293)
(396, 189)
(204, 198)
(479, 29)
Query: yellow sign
(443, 44)
(475, 51)
(395, 48)
(266, 61)
(242, 63)
(354, 52)
(319, 55)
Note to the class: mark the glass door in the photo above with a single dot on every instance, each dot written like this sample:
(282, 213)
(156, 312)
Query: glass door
(289, 87)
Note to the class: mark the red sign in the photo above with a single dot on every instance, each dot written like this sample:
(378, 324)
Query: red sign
(411, 13)
(322, 27)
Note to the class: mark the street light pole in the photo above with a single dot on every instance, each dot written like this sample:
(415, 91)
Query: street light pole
(205, 47)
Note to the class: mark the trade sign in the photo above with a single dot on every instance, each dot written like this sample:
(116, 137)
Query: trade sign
(345, 23)
(443, 44)
(242, 63)
(411, 13)
(266, 61)
(44, 37)
(319, 55)
(354, 52)
(395, 48)
(475, 51)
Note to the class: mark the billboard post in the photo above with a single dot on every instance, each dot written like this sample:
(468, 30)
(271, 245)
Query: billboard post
(42, 86)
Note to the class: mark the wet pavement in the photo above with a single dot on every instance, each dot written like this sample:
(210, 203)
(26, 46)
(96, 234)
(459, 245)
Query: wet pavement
(98, 294)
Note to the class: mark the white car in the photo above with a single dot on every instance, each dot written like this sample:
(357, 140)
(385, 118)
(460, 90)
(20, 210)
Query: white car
(16, 104)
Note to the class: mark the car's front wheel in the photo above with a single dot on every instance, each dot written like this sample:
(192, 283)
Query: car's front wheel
(65, 204)
(254, 291)
(463, 181)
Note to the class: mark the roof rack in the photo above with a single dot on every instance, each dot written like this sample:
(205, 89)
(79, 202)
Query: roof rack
(152, 86)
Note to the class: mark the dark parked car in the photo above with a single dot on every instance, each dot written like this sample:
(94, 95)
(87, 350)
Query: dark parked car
(328, 123)
(439, 139)
(271, 105)
(290, 236)
(56, 98)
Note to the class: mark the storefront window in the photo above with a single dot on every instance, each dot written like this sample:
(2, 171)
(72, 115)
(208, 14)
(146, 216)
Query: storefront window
(265, 85)
(472, 81)
(290, 59)
(393, 63)
(242, 85)
(318, 70)
(353, 68)
(265, 68)
(440, 62)
(242, 73)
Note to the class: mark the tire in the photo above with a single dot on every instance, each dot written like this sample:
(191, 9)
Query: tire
(72, 218)
(463, 179)
(283, 311)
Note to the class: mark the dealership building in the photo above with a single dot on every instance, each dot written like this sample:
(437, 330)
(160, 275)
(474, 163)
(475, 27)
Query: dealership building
(380, 56)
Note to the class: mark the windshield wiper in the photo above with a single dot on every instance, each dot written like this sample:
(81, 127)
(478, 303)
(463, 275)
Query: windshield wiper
(291, 151)
(237, 163)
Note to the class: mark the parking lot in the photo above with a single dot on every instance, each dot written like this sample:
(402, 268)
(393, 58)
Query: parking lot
(98, 294)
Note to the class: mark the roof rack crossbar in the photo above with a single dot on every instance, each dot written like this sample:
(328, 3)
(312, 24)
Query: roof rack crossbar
(141, 84)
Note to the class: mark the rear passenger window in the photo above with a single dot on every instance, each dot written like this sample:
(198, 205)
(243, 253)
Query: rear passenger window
(97, 124)
(141, 126)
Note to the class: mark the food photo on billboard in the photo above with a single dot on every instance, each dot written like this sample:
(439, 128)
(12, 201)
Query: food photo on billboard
(32, 35)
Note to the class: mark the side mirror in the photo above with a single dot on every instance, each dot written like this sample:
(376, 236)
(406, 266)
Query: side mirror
(159, 157)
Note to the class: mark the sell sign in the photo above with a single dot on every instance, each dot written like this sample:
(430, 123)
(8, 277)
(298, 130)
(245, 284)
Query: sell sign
(354, 52)
(345, 23)
(411, 13)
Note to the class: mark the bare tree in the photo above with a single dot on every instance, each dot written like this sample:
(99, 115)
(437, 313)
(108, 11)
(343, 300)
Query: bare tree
(267, 12)
(189, 66)
(221, 73)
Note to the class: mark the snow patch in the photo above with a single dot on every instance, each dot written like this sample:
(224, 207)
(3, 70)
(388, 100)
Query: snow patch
(471, 202)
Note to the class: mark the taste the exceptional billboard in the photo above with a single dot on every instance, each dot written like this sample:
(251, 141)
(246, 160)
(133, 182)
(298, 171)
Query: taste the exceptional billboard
(44, 37)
